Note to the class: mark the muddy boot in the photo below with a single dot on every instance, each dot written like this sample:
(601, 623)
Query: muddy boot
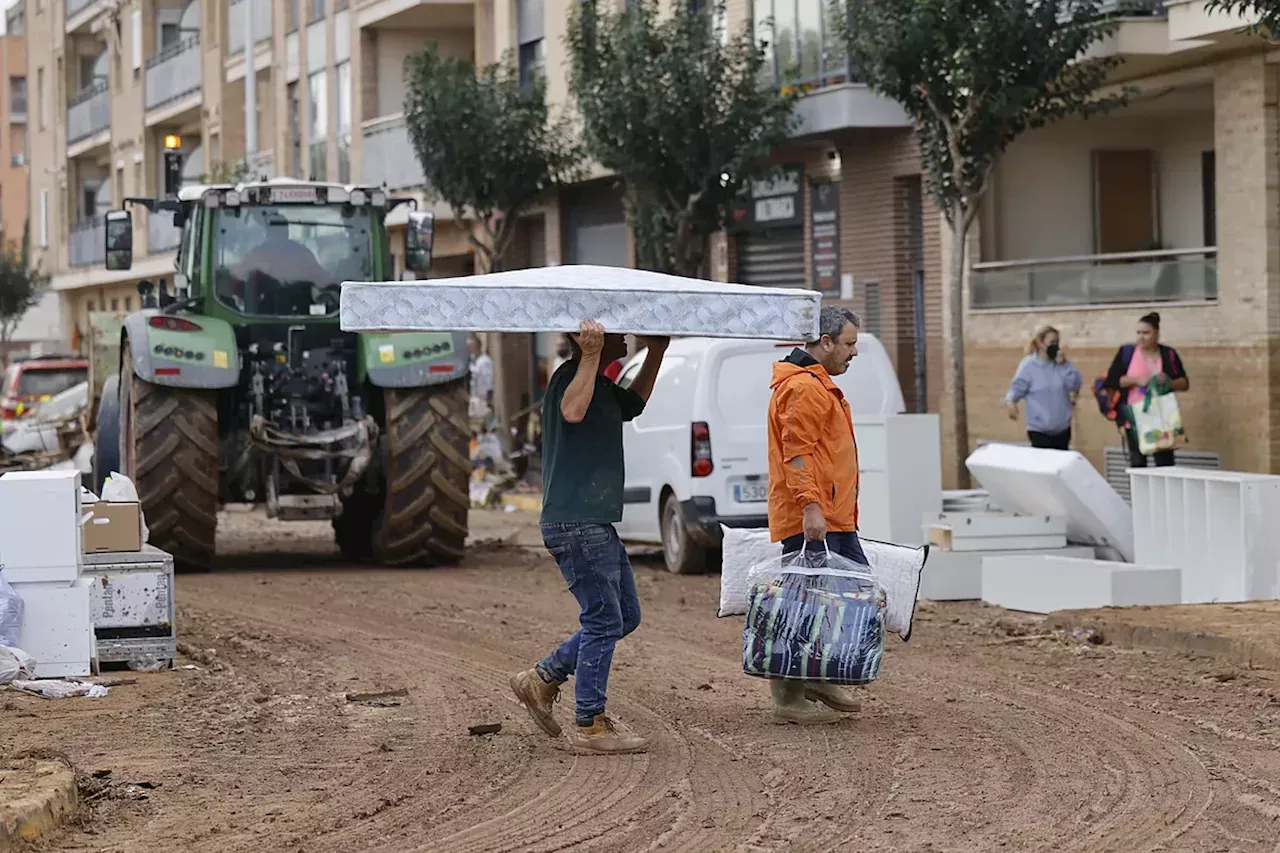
(608, 737)
(831, 696)
(790, 706)
(538, 698)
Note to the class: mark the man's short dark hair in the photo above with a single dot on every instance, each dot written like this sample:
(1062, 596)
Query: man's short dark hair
(831, 322)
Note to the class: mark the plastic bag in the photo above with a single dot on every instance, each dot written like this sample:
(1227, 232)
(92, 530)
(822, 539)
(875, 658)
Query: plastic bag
(741, 549)
(814, 616)
(11, 608)
(56, 688)
(118, 488)
(15, 664)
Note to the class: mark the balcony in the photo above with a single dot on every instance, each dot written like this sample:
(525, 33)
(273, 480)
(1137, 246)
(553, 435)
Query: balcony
(88, 113)
(235, 24)
(1173, 275)
(88, 243)
(388, 155)
(174, 73)
(75, 7)
(162, 234)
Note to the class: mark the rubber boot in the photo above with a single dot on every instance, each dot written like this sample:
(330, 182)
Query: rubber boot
(790, 706)
(831, 696)
(609, 737)
(538, 698)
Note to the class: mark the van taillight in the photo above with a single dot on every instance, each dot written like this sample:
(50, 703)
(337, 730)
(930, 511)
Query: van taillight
(700, 450)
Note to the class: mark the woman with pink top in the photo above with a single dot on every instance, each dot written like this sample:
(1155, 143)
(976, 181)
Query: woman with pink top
(1137, 365)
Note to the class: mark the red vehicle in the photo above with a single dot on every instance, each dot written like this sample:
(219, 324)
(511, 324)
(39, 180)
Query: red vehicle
(31, 381)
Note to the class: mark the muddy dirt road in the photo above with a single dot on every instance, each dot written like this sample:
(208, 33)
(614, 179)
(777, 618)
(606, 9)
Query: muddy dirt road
(975, 738)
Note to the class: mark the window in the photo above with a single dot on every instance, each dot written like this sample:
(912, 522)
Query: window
(40, 96)
(529, 34)
(318, 91)
(293, 16)
(44, 219)
(115, 304)
(18, 95)
(89, 306)
(316, 11)
(804, 45)
(128, 303)
(344, 121)
(295, 130)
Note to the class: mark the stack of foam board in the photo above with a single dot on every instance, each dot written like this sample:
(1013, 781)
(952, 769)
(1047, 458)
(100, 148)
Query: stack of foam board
(1045, 583)
(1034, 481)
(900, 475)
(961, 541)
(41, 557)
(1221, 528)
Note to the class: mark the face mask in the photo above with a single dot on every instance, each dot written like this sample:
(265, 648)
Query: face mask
(1052, 351)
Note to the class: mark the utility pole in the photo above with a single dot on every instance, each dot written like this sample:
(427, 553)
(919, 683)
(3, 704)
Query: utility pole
(250, 88)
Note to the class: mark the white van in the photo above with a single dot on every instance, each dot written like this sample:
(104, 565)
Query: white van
(698, 457)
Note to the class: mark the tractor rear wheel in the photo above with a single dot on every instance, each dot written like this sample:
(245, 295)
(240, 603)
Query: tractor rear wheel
(417, 514)
(169, 448)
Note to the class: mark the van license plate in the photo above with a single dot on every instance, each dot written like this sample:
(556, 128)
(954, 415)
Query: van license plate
(751, 493)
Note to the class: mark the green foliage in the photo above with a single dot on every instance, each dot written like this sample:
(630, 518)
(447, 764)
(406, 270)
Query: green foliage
(227, 173)
(21, 286)
(976, 74)
(487, 145)
(679, 115)
(1266, 11)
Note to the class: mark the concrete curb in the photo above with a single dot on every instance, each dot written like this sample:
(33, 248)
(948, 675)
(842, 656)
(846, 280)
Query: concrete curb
(36, 796)
(1116, 630)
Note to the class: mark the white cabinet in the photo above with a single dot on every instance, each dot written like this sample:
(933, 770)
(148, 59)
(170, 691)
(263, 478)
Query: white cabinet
(1222, 528)
(900, 462)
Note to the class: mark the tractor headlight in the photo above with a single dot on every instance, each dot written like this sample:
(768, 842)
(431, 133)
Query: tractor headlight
(357, 198)
(378, 198)
(231, 198)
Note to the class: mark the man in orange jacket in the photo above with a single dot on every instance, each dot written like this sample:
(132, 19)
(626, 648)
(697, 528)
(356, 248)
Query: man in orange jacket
(813, 480)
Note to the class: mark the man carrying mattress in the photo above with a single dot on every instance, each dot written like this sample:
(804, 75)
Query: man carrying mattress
(582, 477)
(813, 480)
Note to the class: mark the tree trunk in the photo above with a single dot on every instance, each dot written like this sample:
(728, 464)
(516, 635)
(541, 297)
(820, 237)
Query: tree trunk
(953, 287)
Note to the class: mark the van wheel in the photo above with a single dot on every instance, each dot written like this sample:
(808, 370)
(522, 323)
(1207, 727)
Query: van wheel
(682, 556)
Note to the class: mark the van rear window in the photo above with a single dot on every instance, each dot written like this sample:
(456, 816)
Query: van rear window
(48, 382)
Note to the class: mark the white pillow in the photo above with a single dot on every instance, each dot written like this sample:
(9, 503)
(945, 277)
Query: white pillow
(896, 567)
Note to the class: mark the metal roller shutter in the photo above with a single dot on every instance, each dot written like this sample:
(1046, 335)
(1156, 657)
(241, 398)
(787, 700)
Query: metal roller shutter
(772, 258)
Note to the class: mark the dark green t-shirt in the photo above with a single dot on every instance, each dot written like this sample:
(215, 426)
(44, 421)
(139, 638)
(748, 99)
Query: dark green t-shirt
(582, 468)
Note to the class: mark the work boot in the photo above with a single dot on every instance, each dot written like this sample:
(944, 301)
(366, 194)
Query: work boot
(790, 706)
(609, 737)
(831, 696)
(538, 698)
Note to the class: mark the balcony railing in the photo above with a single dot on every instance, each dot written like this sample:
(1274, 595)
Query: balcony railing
(75, 7)
(174, 72)
(1136, 8)
(162, 234)
(88, 113)
(88, 243)
(1174, 275)
(235, 24)
(388, 155)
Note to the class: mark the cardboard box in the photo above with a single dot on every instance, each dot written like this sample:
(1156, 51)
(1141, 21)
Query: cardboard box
(57, 629)
(112, 527)
(40, 526)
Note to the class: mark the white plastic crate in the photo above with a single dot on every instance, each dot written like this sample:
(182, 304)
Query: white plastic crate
(57, 630)
(40, 526)
(957, 575)
(992, 531)
(900, 475)
(1222, 528)
(1043, 583)
(1034, 481)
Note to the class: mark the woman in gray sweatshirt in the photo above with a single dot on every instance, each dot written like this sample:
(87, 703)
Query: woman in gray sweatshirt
(1049, 382)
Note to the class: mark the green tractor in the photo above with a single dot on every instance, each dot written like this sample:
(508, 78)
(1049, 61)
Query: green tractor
(237, 386)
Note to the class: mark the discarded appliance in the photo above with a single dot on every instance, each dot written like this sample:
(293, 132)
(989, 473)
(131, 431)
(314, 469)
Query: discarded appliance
(132, 607)
(990, 531)
(1044, 584)
(900, 475)
(957, 575)
(1221, 528)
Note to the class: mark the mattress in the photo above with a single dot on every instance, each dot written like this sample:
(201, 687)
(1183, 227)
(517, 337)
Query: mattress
(558, 299)
(1034, 481)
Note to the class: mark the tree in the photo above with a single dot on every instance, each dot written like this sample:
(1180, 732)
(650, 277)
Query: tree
(974, 75)
(679, 114)
(1267, 13)
(487, 144)
(21, 287)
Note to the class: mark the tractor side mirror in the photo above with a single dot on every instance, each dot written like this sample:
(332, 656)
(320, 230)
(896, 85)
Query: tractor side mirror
(419, 240)
(146, 290)
(119, 235)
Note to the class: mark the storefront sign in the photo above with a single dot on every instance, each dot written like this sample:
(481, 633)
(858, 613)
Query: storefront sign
(774, 202)
(825, 220)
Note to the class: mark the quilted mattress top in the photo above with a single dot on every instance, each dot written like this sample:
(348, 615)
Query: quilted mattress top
(557, 299)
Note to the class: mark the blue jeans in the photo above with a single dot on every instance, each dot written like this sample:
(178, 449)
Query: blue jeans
(847, 545)
(595, 566)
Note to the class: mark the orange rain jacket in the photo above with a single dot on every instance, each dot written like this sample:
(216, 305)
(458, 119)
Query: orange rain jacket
(809, 417)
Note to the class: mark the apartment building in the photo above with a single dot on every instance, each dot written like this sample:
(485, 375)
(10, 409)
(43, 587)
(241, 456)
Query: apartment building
(1168, 204)
(13, 126)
